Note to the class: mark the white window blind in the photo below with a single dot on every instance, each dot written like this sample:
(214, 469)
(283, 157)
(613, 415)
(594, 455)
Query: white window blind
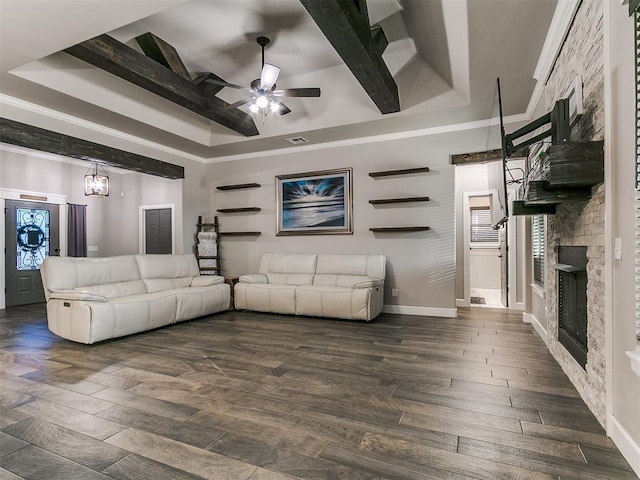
(538, 248)
(481, 231)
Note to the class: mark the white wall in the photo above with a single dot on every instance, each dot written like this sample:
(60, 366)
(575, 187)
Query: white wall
(624, 385)
(421, 265)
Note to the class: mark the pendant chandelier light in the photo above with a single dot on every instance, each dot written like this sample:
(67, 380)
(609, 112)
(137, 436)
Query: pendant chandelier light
(96, 184)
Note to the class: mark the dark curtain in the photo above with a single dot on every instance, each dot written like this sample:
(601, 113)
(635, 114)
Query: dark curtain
(77, 230)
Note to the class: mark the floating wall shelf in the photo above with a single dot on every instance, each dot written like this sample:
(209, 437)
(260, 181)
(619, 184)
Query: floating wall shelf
(243, 209)
(239, 234)
(406, 171)
(238, 186)
(399, 229)
(383, 201)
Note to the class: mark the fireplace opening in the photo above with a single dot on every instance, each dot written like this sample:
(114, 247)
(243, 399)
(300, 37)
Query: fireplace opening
(572, 301)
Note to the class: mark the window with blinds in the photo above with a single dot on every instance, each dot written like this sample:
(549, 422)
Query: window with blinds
(481, 231)
(537, 232)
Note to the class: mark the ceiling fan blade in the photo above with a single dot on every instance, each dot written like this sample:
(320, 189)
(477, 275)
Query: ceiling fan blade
(240, 103)
(224, 84)
(283, 110)
(297, 92)
(269, 76)
(216, 80)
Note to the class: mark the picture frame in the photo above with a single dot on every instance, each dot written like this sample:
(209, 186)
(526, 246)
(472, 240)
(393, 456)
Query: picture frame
(315, 203)
(574, 94)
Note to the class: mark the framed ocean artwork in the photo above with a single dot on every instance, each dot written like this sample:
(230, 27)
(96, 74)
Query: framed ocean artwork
(317, 203)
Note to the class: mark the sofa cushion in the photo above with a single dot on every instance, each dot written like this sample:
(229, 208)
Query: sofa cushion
(195, 302)
(67, 273)
(335, 302)
(351, 281)
(263, 297)
(160, 284)
(289, 269)
(167, 266)
(131, 314)
(206, 280)
(357, 264)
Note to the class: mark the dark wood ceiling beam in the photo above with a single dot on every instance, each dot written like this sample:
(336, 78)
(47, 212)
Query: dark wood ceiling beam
(23, 135)
(124, 62)
(163, 53)
(346, 26)
(486, 156)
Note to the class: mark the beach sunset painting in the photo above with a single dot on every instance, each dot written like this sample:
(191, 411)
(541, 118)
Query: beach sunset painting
(315, 203)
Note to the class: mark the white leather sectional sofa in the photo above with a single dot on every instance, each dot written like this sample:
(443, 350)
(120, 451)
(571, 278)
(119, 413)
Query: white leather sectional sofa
(323, 285)
(93, 299)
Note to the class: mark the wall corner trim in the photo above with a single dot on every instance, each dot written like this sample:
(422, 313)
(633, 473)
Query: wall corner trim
(530, 318)
(627, 446)
(422, 311)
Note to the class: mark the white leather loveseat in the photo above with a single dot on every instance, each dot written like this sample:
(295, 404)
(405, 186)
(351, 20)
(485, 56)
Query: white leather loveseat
(92, 299)
(323, 285)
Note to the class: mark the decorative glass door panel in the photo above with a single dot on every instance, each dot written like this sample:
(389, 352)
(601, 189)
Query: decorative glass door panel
(33, 231)
(31, 235)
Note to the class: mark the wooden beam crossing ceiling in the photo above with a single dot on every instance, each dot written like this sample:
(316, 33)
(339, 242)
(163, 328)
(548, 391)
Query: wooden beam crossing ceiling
(345, 23)
(154, 75)
(28, 136)
(486, 156)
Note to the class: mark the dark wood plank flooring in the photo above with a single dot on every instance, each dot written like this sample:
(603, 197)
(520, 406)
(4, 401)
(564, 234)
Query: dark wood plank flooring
(243, 395)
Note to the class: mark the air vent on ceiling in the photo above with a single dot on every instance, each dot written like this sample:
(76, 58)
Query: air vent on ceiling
(297, 140)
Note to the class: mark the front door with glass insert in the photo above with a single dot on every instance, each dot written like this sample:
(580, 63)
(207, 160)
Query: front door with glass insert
(31, 236)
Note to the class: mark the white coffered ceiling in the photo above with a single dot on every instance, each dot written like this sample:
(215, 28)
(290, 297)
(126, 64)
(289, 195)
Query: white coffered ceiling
(444, 55)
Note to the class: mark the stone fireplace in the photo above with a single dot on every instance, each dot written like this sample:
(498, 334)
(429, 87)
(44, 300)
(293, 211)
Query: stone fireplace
(572, 301)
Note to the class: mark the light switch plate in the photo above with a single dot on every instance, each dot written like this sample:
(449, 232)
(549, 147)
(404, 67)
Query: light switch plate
(617, 248)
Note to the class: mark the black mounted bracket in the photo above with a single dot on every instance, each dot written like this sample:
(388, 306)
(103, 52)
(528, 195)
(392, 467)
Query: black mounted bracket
(559, 131)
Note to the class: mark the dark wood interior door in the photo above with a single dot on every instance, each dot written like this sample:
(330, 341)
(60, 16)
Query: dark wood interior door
(158, 231)
(31, 230)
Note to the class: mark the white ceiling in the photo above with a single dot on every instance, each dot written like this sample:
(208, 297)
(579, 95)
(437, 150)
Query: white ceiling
(444, 55)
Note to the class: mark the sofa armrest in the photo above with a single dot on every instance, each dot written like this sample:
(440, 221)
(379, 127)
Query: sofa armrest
(77, 295)
(206, 280)
(253, 278)
(371, 282)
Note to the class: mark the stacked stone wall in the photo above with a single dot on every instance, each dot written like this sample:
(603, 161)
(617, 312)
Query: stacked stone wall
(581, 223)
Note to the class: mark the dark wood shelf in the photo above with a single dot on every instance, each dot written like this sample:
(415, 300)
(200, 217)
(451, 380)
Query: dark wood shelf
(405, 171)
(238, 186)
(238, 234)
(383, 201)
(243, 209)
(210, 269)
(399, 229)
(206, 224)
(209, 257)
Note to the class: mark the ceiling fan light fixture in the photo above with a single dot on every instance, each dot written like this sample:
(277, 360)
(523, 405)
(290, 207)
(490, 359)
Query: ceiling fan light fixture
(275, 106)
(262, 101)
(254, 108)
(268, 76)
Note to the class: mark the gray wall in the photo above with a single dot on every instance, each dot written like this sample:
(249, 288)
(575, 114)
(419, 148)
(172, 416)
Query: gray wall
(421, 265)
(112, 222)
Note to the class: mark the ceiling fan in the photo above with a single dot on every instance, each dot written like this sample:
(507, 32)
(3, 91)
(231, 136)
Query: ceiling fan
(264, 96)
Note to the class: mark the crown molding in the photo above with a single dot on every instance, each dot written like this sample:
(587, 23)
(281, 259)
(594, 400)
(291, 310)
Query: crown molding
(560, 24)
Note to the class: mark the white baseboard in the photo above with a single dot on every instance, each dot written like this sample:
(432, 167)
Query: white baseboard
(530, 318)
(424, 311)
(463, 302)
(629, 449)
